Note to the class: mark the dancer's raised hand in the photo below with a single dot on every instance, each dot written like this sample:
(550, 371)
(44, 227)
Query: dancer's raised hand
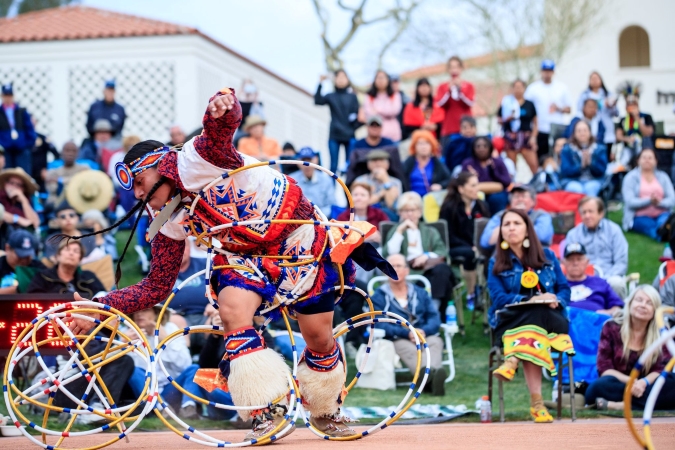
(220, 105)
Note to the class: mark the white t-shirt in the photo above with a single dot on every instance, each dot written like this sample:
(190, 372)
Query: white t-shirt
(543, 96)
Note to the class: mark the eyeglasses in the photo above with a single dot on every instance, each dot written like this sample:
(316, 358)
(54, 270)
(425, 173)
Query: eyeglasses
(67, 215)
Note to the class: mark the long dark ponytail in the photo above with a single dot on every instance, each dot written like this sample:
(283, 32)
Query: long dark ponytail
(138, 150)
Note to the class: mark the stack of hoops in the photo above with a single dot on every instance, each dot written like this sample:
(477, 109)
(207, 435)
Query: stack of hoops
(79, 364)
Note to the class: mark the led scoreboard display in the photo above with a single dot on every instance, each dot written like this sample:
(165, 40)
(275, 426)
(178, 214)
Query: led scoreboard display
(16, 313)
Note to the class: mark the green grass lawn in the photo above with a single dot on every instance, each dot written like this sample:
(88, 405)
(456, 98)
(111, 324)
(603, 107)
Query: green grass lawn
(470, 351)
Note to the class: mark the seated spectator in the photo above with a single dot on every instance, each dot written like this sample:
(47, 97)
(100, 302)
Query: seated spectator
(190, 302)
(423, 248)
(256, 144)
(605, 244)
(421, 113)
(583, 162)
(127, 143)
(458, 146)
(493, 176)
(20, 251)
(589, 114)
(460, 208)
(522, 271)
(518, 118)
(424, 172)
(412, 302)
(521, 197)
(622, 342)
(175, 358)
(648, 196)
(177, 136)
(95, 220)
(374, 138)
(588, 292)
(101, 146)
(57, 178)
(68, 222)
(288, 152)
(605, 105)
(315, 184)
(16, 192)
(361, 196)
(664, 282)
(636, 129)
(66, 276)
(386, 189)
(382, 101)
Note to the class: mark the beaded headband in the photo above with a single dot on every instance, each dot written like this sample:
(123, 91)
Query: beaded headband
(126, 172)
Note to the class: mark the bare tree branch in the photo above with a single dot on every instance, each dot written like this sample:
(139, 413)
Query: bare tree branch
(402, 16)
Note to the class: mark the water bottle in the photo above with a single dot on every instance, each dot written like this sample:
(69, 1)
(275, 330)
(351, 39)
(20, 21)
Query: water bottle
(485, 410)
(451, 315)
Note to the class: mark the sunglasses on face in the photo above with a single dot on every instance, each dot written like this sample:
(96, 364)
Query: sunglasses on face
(67, 215)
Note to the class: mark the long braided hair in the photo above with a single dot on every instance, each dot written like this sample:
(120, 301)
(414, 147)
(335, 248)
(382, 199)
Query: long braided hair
(133, 154)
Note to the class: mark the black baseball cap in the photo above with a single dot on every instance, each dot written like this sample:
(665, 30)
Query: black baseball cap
(24, 243)
(574, 248)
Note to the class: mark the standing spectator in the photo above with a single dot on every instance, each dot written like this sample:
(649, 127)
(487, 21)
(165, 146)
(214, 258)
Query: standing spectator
(607, 110)
(424, 172)
(522, 271)
(17, 134)
(374, 138)
(604, 242)
(460, 209)
(43, 147)
(177, 136)
(382, 101)
(16, 191)
(493, 176)
(361, 196)
(589, 114)
(66, 276)
(20, 251)
(518, 118)
(316, 185)
(423, 248)
(648, 196)
(455, 97)
(551, 100)
(588, 291)
(458, 147)
(344, 110)
(421, 113)
(256, 144)
(583, 162)
(107, 109)
(412, 302)
(97, 147)
(405, 99)
(521, 197)
(250, 104)
(57, 178)
(386, 189)
(622, 342)
(636, 128)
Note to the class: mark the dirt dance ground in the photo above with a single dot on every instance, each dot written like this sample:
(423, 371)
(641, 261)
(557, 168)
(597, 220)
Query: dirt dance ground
(583, 434)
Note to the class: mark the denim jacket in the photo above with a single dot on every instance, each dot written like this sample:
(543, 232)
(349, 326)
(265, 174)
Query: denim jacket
(505, 287)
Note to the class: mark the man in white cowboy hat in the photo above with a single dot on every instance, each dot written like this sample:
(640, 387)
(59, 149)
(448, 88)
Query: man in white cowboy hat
(16, 191)
(256, 144)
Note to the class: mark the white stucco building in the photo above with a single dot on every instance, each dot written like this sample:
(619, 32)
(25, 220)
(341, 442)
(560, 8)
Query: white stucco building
(630, 42)
(59, 58)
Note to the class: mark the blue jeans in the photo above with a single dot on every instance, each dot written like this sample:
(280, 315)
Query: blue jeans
(649, 225)
(334, 149)
(176, 398)
(497, 201)
(19, 158)
(587, 187)
(611, 389)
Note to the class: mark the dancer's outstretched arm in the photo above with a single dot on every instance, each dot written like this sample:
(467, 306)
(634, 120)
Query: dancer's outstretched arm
(221, 120)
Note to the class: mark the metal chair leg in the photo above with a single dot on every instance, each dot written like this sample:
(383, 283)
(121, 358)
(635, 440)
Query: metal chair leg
(573, 404)
(490, 370)
(560, 389)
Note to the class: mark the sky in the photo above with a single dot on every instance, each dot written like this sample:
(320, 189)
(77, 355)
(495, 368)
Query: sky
(284, 35)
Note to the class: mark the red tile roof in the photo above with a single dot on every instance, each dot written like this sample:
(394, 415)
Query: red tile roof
(81, 22)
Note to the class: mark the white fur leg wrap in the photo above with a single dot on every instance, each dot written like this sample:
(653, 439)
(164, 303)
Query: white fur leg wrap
(257, 378)
(321, 390)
